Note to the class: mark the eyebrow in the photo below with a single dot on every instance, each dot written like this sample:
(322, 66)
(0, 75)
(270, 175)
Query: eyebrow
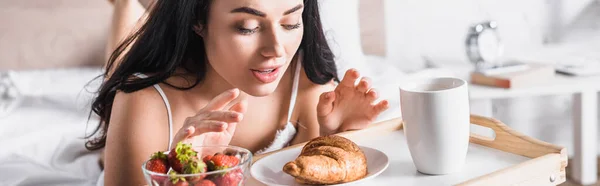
(255, 12)
(296, 8)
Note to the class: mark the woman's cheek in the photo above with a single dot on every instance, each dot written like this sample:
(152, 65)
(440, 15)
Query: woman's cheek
(294, 41)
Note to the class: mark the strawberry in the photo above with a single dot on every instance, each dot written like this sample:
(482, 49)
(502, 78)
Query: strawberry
(158, 163)
(181, 155)
(195, 166)
(205, 183)
(207, 158)
(222, 161)
(176, 183)
(231, 178)
(175, 180)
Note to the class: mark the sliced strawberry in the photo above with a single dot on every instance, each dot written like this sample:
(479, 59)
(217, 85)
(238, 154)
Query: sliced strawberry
(158, 163)
(180, 155)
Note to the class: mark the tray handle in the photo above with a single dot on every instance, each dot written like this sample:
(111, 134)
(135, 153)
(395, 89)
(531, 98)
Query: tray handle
(509, 140)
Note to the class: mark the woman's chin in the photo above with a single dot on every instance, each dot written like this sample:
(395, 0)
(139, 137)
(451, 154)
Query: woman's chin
(260, 90)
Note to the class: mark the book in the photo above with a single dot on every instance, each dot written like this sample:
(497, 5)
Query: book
(504, 68)
(534, 74)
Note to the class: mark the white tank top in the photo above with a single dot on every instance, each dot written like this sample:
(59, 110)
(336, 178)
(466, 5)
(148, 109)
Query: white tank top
(282, 136)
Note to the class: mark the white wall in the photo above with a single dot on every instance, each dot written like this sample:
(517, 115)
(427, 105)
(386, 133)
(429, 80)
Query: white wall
(436, 29)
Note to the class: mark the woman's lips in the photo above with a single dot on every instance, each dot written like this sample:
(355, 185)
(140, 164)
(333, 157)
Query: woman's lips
(266, 75)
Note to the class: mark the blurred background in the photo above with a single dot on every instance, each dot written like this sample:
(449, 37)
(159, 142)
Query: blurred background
(51, 50)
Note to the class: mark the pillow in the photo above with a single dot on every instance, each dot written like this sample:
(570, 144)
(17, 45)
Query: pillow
(340, 19)
(68, 88)
(56, 81)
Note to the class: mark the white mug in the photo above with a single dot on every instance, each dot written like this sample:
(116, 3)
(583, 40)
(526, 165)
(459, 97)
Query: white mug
(436, 123)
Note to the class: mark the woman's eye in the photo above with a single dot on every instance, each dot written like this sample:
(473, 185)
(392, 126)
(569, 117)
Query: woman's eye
(246, 31)
(291, 27)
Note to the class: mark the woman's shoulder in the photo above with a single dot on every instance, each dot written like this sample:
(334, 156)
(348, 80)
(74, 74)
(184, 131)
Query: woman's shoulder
(308, 87)
(309, 92)
(145, 103)
(139, 114)
(145, 95)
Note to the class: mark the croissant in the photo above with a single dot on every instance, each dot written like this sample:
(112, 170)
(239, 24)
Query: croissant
(328, 160)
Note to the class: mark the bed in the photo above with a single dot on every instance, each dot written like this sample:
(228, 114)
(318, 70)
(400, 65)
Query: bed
(42, 125)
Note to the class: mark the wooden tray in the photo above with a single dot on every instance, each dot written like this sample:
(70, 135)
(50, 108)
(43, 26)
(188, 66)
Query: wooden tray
(510, 158)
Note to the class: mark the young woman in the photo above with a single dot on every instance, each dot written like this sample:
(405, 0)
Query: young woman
(251, 73)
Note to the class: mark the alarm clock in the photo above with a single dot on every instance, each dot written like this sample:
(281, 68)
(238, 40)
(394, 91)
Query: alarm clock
(483, 45)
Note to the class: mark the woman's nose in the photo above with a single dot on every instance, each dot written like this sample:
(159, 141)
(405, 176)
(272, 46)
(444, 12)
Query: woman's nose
(273, 45)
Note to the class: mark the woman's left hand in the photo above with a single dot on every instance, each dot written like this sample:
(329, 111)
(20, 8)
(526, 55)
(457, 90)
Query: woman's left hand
(349, 106)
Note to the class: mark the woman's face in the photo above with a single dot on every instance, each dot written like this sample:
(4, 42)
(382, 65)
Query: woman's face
(250, 43)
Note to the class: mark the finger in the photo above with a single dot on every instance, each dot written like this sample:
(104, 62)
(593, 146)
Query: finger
(222, 99)
(325, 105)
(240, 107)
(380, 107)
(372, 95)
(364, 85)
(206, 126)
(350, 78)
(231, 128)
(220, 115)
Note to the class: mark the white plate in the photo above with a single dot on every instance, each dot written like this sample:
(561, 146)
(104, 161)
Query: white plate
(269, 170)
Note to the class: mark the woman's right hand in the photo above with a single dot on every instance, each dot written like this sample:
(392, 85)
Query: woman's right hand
(213, 125)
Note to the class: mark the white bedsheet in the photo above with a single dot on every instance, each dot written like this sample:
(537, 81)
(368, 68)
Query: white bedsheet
(42, 134)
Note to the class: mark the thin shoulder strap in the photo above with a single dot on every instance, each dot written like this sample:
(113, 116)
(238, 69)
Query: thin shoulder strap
(166, 101)
(164, 97)
(294, 88)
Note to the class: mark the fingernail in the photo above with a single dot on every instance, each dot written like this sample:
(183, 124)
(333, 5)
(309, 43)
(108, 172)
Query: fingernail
(233, 115)
(190, 130)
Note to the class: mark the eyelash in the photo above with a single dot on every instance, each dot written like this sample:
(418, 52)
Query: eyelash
(245, 31)
(292, 27)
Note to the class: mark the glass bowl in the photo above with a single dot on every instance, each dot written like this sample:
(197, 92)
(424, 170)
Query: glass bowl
(230, 176)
